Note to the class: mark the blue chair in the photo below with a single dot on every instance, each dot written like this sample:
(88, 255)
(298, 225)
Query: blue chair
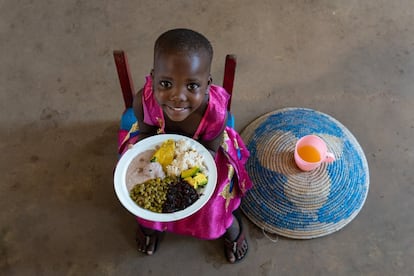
(128, 91)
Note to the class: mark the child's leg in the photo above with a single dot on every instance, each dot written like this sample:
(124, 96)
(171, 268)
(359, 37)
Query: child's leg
(235, 243)
(147, 239)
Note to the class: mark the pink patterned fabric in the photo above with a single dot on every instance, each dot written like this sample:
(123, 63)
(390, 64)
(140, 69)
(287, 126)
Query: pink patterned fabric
(211, 221)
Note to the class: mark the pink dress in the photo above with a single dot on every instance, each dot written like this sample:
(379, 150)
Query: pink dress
(212, 220)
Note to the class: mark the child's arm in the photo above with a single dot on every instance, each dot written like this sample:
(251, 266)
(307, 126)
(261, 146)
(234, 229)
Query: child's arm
(145, 130)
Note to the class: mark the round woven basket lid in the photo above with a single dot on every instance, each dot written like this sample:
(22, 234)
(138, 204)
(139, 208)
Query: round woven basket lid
(302, 205)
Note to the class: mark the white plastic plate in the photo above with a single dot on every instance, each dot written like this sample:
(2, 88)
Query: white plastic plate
(151, 143)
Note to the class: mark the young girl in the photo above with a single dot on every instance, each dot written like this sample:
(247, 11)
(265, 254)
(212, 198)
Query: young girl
(179, 97)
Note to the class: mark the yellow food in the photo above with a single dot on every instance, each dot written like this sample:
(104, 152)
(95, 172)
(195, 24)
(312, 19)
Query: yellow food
(190, 172)
(165, 154)
(201, 179)
(197, 181)
(191, 181)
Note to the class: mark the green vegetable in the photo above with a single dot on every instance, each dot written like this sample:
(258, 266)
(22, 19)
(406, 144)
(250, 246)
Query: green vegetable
(201, 179)
(151, 194)
(198, 180)
(189, 172)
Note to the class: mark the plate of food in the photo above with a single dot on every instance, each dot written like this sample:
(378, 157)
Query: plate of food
(165, 177)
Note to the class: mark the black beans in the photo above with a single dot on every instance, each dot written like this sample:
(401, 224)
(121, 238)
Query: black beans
(180, 195)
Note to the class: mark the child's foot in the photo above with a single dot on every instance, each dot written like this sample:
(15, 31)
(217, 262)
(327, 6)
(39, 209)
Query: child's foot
(236, 249)
(147, 240)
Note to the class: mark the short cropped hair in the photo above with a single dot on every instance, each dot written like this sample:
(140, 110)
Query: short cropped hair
(183, 40)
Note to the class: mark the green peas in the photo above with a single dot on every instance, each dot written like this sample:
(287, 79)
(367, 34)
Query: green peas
(151, 194)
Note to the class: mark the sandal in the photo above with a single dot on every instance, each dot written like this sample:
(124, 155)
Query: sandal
(238, 247)
(147, 243)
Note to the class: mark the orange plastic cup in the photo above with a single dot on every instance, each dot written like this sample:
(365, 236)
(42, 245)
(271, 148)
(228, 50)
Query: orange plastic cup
(310, 152)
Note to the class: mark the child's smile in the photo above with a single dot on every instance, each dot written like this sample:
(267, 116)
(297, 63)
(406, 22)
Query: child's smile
(176, 112)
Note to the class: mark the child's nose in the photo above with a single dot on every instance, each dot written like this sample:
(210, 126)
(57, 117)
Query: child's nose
(178, 93)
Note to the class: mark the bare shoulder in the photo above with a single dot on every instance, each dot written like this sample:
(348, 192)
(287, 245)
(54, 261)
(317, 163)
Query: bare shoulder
(137, 104)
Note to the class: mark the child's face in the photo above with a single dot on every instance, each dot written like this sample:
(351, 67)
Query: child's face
(181, 83)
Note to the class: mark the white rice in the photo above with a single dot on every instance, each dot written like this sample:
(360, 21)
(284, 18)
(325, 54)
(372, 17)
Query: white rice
(186, 157)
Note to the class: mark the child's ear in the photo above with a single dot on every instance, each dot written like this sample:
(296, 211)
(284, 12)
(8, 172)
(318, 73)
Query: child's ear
(209, 82)
(152, 74)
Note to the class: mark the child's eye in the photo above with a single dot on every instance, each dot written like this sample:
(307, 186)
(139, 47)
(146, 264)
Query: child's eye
(193, 86)
(165, 84)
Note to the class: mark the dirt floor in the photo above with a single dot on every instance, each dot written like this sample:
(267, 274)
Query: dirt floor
(60, 104)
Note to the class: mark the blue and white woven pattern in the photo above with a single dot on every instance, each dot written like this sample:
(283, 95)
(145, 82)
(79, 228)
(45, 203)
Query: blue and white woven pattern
(289, 202)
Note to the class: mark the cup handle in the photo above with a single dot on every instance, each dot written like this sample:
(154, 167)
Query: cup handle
(330, 157)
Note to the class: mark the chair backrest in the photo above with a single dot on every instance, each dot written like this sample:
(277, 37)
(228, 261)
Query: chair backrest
(127, 84)
(124, 76)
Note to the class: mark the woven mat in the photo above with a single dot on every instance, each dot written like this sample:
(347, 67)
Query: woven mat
(296, 204)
